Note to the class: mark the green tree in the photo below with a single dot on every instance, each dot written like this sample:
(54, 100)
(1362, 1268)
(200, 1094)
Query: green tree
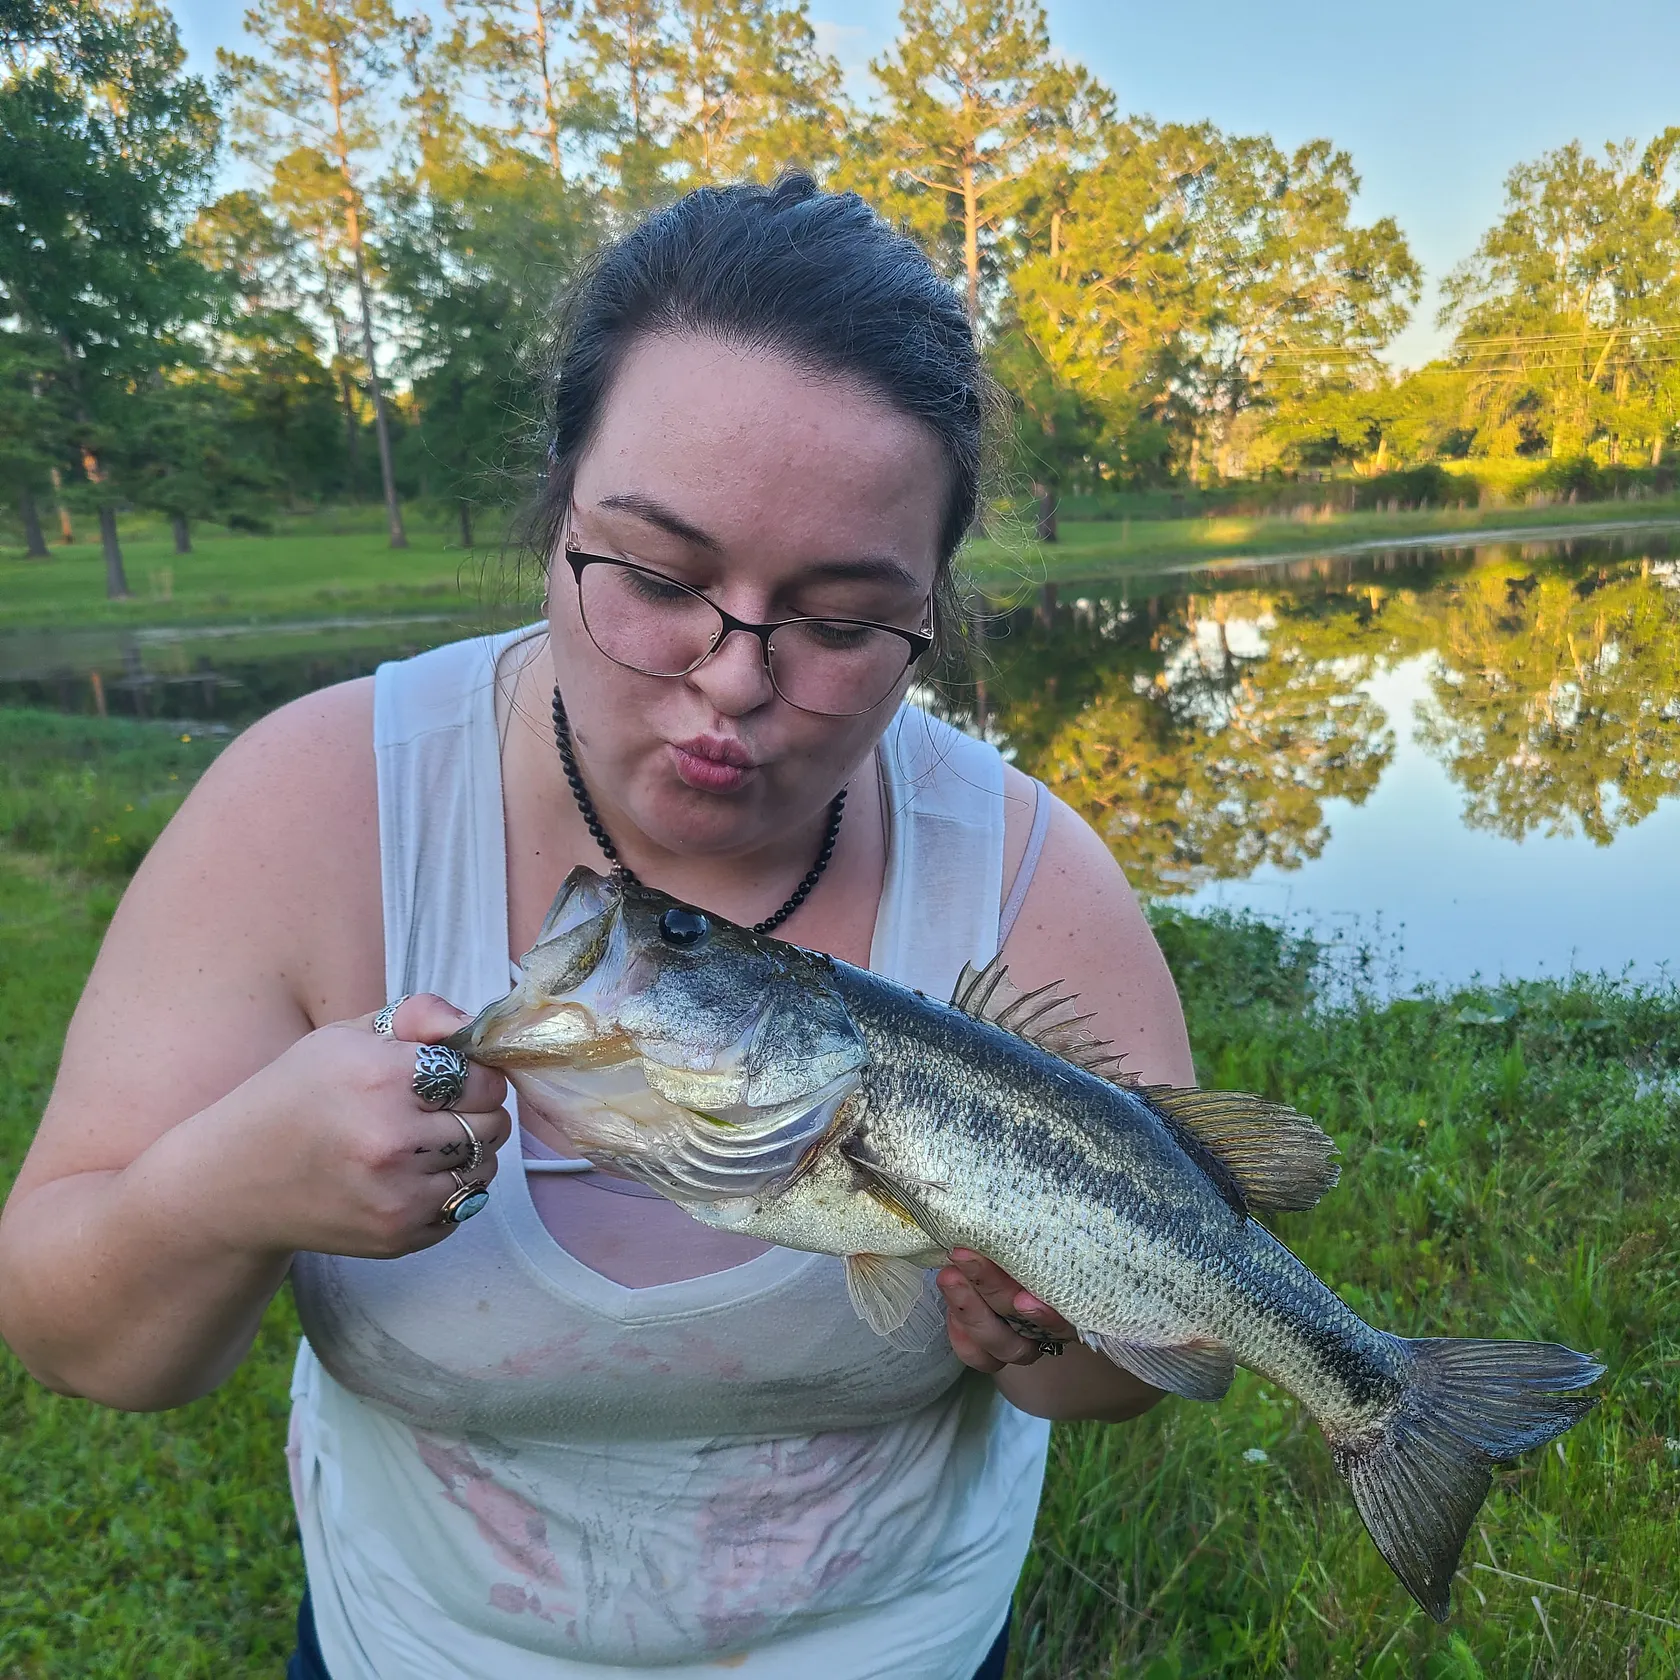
(1568, 311)
(105, 142)
(515, 50)
(314, 99)
(1300, 299)
(279, 399)
(626, 57)
(750, 92)
(475, 257)
(973, 108)
(1109, 295)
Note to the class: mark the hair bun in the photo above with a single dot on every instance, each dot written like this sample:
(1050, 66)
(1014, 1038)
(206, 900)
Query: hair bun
(792, 186)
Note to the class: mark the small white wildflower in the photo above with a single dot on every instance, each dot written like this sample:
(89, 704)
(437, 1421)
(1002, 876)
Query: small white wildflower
(1257, 1455)
(1672, 1442)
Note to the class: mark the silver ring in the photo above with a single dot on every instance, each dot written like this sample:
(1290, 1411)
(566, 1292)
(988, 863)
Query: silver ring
(475, 1146)
(470, 1196)
(440, 1075)
(382, 1021)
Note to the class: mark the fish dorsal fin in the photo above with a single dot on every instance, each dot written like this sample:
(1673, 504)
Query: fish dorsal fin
(1038, 1016)
(1278, 1159)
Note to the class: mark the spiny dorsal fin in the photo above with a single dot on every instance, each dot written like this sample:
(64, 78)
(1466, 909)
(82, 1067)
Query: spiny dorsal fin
(1278, 1158)
(988, 994)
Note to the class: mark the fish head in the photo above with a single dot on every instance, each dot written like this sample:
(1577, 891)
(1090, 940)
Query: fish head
(638, 1019)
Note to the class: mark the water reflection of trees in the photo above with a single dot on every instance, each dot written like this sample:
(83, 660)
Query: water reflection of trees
(1556, 699)
(1201, 735)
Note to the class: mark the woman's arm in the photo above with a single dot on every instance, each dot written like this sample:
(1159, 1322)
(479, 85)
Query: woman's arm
(205, 1124)
(1080, 924)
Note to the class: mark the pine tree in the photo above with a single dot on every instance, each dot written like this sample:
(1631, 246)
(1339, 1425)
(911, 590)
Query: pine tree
(750, 91)
(315, 96)
(516, 51)
(974, 106)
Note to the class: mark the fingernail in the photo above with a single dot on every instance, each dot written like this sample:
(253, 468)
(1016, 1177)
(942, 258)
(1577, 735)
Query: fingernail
(1026, 1304)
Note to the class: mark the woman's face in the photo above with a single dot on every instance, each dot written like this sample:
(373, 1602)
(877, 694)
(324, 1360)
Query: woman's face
(778, 494)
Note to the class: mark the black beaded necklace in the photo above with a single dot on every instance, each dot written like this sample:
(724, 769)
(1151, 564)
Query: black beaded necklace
(592, 821)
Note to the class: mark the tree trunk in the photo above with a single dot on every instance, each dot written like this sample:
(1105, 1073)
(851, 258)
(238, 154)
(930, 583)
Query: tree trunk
(352, 437)
(116, 579)
(34, 542)
(1046, 522)
(971, 241)
(183, 537)
(551, 112)
(464, 508)
(381, 427)
(66, 531)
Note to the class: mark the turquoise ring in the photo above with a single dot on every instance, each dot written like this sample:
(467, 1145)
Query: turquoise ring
(470, 1196)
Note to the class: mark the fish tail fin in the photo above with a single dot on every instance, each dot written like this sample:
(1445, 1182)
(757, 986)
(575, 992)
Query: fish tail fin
(1420, 1477)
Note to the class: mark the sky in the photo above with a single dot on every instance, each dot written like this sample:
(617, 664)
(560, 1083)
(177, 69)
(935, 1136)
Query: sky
(1436, 101)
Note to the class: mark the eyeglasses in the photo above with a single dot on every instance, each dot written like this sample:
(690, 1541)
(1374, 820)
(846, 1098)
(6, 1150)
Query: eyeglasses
(647, 622)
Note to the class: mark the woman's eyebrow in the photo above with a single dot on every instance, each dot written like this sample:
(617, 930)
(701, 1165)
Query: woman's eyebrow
(667, 519)
(865, 569)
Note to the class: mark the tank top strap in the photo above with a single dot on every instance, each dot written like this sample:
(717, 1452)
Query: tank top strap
(443, 858)
(943, 793)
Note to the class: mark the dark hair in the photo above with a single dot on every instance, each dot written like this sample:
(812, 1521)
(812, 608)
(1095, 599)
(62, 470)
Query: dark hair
(815, 276)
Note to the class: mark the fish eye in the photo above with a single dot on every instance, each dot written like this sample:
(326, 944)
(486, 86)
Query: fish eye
(683, 928)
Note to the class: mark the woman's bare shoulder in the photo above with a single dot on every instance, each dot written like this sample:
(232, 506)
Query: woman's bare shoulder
(269, 872)
(1081, 923)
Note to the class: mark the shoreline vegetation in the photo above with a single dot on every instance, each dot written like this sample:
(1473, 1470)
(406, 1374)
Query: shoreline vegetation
(338, 563)
(1510, 1161)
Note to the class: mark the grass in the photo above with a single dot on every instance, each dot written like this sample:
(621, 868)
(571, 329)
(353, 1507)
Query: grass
(1510, 1170)
(333, 564)
(338, 563)
(1091, 551)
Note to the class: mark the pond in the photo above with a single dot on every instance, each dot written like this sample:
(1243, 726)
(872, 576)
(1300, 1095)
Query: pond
(1446, 763)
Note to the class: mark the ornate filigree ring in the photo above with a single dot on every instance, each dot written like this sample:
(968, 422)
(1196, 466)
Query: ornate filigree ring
(382, 1021)
(475, 1146)
(470, 1196)
(440, 1075)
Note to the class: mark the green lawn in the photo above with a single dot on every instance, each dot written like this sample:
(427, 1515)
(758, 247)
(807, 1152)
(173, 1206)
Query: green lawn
(334, 564)
(1095, 550)
(1510, 1169)
(338, 563)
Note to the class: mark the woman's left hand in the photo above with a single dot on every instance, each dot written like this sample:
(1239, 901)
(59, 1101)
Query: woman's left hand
(993, 1321)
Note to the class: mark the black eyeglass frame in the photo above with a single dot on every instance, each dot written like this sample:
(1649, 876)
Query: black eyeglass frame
(918, 642)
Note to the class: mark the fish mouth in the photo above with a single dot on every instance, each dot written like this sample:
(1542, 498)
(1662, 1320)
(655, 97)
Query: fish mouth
(571, 982)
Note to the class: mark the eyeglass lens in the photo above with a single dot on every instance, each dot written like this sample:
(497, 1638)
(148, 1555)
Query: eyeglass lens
(662, 629)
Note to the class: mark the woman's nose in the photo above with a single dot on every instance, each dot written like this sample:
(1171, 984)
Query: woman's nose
(734, 676)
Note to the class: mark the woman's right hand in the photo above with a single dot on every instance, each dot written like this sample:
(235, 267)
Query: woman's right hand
(328, 1149)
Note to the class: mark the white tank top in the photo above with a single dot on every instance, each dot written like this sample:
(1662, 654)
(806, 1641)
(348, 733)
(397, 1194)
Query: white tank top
(508, 1467)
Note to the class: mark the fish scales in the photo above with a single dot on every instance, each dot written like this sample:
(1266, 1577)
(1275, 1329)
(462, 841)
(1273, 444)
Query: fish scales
(1012, 1175)
(785, 1095)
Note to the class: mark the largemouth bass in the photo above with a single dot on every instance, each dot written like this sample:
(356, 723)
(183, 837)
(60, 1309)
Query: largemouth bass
(786, 1095)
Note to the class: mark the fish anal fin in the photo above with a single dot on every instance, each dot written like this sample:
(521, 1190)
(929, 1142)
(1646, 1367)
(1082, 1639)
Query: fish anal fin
(1198, 1370)
(890, 1296)
(1277, 1158)
(1039, 1016)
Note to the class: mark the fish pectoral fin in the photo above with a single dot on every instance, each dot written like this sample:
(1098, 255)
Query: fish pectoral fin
(1278, 1158)
(891, 1297)
(1198, 1370)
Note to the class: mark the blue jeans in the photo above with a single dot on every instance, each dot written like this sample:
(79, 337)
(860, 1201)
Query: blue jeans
(306, 1661)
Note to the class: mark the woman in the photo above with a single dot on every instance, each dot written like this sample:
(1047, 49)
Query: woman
(582, 1431)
